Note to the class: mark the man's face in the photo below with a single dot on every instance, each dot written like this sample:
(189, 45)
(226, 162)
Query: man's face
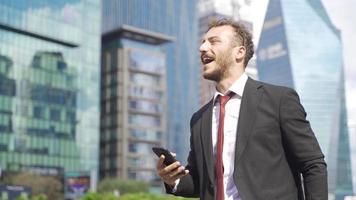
(216, 52)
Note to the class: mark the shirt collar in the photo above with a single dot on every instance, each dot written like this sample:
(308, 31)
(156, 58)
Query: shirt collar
(237, 87)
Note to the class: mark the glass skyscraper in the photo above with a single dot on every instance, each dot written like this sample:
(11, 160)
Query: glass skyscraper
(301, 48)
(154, 107)
(49, 86)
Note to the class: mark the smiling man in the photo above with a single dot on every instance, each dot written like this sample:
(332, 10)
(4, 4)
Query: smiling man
(252, 140)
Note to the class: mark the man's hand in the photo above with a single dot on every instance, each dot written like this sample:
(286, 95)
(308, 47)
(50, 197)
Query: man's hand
(169, 174)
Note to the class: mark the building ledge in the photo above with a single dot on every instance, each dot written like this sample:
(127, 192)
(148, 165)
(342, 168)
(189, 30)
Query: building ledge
(138, 34)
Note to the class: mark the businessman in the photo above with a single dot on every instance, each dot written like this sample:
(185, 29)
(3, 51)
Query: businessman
(252, 140)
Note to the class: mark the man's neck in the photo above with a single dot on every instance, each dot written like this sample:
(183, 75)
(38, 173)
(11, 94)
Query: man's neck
(224, 84)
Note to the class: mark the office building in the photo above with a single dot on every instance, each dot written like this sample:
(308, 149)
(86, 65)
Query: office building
(133, 102)
(149, 84)
(292, 52)
(49, 86)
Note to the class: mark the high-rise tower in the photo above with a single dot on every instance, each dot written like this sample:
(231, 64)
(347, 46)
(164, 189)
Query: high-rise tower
(301, 48)
(150, 76)
(49, 86)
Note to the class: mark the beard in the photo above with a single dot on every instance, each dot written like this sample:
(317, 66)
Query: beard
(222, 63)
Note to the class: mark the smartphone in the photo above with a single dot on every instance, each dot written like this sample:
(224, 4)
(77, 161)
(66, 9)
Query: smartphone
(168, 157)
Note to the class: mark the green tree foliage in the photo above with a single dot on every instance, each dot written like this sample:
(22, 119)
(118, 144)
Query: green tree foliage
(36, 197)
(97, 196)
(21, 198)
(123, 186)
(39, 197)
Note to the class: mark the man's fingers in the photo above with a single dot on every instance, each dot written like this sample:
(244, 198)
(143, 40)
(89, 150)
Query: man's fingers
(172, 166)
(172, 172)
(182, 174)
(169, 169)
(177, 174)
(160, 162)
(179, 170)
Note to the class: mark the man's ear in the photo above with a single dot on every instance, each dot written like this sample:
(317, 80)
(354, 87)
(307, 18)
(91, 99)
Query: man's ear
(239, 52)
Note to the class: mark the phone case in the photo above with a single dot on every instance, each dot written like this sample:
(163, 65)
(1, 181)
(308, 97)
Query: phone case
(169, 159)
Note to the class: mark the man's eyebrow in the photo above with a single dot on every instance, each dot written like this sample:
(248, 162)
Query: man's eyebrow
(210, 38)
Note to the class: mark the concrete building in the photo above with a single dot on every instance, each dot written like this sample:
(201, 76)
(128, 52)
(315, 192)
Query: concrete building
(150, 76)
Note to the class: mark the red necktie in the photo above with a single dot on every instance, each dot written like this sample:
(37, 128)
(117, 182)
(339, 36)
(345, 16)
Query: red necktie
(219, 166)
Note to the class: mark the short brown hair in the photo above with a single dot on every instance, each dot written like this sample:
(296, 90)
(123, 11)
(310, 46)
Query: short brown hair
(243, 35)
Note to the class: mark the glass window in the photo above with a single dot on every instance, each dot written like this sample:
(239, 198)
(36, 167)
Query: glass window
(70, 116)
(141, 91)
(42, 79)
(144, 120)
(113, 163)
(145, 134)
(55, 115)
(38, 112)
(144, 79)
(145, 106)
(148, 62)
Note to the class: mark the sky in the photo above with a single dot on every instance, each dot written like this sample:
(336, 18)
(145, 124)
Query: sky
(343, 15)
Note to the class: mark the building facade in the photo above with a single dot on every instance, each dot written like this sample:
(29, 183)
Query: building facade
(292, 52)
(133, 102)
(155, 34)
(49, 86)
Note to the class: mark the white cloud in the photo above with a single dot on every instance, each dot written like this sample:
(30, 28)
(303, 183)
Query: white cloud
(258, 15)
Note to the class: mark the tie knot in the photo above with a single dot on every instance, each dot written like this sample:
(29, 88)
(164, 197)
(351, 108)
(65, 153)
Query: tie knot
(224, 99)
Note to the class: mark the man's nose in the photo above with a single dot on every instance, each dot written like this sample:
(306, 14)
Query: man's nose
(204, 47)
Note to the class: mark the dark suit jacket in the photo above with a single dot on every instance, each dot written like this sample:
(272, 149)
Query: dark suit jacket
(274, 147)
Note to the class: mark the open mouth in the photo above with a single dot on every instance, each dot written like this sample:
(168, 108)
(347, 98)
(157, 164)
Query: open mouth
(205, 59)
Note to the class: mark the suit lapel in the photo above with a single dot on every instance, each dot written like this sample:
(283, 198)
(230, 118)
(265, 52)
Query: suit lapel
(206, 136)
(248, 110)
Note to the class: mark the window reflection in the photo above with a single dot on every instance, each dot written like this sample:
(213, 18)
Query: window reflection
(145, 134)
(59, 19)
(40, 95)
(7, 93)
(140, 91)
(143, 120)
(148, 80)
(144, 162)
(148, 62)
(145, 106)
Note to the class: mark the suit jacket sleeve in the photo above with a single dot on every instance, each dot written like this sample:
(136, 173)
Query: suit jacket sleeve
(302, 148)
(189, 184)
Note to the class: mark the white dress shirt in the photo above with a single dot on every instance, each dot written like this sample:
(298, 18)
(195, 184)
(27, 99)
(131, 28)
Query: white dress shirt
(232, 110)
